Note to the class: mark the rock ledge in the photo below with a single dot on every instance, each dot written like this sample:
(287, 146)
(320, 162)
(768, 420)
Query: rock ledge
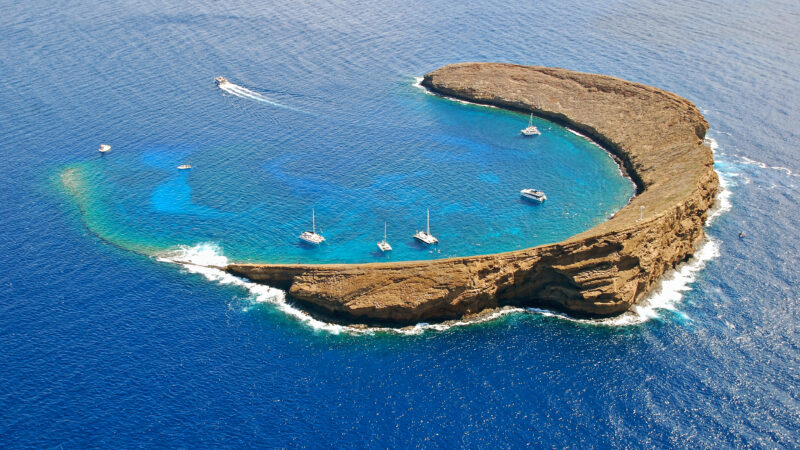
(657, 135)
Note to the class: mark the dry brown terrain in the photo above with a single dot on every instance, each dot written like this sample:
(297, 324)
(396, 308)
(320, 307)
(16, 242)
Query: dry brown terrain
(657, 135)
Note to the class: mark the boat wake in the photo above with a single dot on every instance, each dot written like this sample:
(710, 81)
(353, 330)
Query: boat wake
(243, 92)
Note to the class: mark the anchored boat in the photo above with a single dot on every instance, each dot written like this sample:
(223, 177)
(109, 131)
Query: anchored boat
(530, 130)
(425, 236)
(533, 194)
(311, 236)
(184, 166)
(104, 148)
(383, 245)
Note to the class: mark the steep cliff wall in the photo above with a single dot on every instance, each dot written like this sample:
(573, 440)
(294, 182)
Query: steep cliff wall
(603, 271)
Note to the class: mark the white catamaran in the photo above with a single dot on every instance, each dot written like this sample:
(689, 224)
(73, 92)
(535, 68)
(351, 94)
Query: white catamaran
(311, 236)
(531, 130)
(383, 245)
(425, 236)
(533, 194)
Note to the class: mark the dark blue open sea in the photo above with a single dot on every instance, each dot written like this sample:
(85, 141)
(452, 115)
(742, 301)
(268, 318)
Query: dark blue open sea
(114, 334)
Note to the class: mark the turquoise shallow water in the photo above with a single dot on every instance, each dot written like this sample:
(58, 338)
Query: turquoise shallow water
(252, 197)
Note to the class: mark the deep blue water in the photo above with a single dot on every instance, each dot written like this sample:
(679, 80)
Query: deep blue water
(104, 346)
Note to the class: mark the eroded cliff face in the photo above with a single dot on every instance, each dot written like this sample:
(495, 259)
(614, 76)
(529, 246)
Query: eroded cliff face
(603, 271)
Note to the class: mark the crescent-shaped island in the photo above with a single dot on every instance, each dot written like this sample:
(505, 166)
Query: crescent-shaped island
(656, 135)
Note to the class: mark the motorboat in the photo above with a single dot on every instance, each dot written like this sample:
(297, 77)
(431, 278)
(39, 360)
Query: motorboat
(184, 166)
(104, 148)
(312, 237)
(530, 130)
(220, 80)
(533, 194)
(425, 236)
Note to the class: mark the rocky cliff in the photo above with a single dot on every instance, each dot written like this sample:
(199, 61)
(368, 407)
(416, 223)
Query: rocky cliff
(657, 135)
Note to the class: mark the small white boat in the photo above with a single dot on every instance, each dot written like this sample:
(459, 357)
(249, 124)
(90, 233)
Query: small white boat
(184, 166)
(533, 194)
(425, 236)
(104, 148)
(530, 130)
(311, 236)
(220, 80)
(383, 245)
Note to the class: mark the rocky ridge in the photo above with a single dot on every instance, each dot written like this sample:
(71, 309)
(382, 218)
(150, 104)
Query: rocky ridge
(657, 136)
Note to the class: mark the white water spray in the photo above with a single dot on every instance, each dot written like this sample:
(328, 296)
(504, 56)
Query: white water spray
(208, 260)
(242, 92)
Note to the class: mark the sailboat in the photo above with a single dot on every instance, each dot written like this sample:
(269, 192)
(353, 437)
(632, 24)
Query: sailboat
(531, 130)
(425, 236)
(383, 245)
(311, 236)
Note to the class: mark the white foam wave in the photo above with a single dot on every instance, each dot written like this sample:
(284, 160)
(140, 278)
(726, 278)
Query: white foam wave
(677, 281)
(723, 203)
(418, 84)
(711, 142)
(207, 259)
(762, 165)
(666, 297)
(243, 92)
(206, 254)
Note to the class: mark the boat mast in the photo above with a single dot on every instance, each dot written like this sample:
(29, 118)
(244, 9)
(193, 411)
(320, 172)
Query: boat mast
(384, 231)
(428, 213)
(313, 223)
(530, 121)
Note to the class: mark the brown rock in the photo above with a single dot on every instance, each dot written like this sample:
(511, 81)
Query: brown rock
(658, 137)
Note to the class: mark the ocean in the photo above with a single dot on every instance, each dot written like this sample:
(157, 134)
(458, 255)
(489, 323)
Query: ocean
(115, 333)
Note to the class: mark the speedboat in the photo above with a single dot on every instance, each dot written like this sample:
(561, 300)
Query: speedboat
(530, 130)
(220, 80)
(184, 166)
(312, 237)
(104, 148)
(533, 194)
(425, 236)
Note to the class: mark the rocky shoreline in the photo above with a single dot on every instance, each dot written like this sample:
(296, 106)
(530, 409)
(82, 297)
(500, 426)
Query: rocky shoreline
(657, 136)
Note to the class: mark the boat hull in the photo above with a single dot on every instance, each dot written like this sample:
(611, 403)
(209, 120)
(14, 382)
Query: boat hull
(536, 196)
(312, 238)
(426, 238)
